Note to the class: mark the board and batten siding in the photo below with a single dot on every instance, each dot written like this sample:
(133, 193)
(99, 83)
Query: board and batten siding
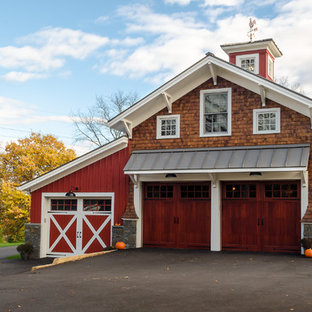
(105, 175)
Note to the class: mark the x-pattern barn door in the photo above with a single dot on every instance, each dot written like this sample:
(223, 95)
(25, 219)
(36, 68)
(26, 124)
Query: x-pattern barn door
(79, 226)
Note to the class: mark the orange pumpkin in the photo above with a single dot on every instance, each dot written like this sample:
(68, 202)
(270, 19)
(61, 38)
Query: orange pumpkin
(308, 253)
(120, 245)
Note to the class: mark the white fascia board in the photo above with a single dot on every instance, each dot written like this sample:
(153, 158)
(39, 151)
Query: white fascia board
(251, 82)
(264, 82)
(159, 91)
(218, 170)
(75, 165)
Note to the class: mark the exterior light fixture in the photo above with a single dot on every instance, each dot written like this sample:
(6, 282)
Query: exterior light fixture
(255, 173)
(71, 193)
(171, 175)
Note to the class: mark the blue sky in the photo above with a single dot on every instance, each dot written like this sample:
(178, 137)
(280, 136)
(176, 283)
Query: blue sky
(57, 56)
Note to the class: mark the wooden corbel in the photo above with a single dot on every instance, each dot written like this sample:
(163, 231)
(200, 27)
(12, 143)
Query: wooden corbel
(213, 179)
(134, 178)
(304, 178)
(212, 73)
(128, 127)
(168, 101)
(262, 94)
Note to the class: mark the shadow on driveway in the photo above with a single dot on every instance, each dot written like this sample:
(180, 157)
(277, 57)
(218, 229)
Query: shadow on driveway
(164, 280)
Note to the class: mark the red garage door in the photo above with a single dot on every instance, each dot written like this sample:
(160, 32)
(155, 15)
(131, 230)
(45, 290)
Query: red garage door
(261, 216)
(79, 226)
(176, 215)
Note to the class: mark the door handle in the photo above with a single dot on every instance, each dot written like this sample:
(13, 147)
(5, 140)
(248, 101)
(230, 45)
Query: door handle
(79, 234)
(261, 221)
(174, 220)
(258, 222)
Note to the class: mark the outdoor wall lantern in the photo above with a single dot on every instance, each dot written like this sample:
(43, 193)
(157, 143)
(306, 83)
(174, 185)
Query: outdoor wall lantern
(255, 173)
(71, 193)
(171, 175)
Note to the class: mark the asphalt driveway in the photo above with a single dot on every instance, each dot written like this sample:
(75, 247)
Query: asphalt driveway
(163, 280)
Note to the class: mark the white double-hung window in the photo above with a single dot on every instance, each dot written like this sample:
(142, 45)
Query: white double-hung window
(266, 121)
(215, 112)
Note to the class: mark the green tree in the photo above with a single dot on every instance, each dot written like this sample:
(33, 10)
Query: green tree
(31, 157)
(21, 162)
(15, 207)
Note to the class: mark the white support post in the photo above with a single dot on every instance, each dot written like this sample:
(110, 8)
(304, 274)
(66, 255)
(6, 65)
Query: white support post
(213, 73)
(168, 101)
(262, 94)
(128, 127)
(304, 199)
(137, 200)
(215, 238)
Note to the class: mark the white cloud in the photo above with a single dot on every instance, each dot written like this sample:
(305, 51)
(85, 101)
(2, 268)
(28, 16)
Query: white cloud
(180, 40)
(47, 50)
(22, 76)
(223, 2)
(13, 111)
(101, 19)
(181, 2)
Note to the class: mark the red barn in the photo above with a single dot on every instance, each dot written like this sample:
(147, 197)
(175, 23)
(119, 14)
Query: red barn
(216, 158)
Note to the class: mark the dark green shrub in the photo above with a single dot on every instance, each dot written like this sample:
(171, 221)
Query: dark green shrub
(306, 243)
(25, 250)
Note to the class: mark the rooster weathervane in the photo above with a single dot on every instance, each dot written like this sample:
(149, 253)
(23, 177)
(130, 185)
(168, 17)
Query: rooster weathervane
(252, 29)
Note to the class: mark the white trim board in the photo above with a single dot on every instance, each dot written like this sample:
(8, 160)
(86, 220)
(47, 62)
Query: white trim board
(76, 164)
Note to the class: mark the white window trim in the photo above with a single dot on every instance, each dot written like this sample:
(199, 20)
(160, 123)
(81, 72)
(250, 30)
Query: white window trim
(268, 110)
(202, 132)
(239, 59)
(158, 131)
(270, 61)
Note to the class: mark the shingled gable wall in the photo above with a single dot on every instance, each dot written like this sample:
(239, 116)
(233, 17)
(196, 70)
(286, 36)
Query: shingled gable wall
(295, 128)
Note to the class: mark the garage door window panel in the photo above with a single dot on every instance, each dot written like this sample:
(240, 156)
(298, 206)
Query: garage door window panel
(97, 205)
(238, 191)
(194, 191)
(64, 204)
(278, 190)
(159, 191)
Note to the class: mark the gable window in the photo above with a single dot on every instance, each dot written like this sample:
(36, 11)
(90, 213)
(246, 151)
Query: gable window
(168, 127)
(266, 120)
(248, 62)
(215, 112)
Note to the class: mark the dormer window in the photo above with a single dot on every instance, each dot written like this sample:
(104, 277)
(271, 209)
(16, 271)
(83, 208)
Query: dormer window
(248, 62)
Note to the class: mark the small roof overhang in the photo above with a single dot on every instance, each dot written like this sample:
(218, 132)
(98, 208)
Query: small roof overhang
(267, 158)
(253, 45)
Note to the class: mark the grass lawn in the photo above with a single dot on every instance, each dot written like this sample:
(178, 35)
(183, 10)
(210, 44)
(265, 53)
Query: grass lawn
(18, 256)
(10, 244)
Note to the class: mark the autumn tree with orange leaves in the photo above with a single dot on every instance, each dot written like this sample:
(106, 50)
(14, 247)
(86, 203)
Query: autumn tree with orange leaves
(21, 162)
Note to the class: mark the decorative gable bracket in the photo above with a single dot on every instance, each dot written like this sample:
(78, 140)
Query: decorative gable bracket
(168, 101)
(213, 73)
(128, 127)
(134, 178)
(262, 94)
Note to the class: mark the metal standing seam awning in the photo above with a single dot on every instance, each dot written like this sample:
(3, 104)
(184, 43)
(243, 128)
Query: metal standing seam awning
(294, 157)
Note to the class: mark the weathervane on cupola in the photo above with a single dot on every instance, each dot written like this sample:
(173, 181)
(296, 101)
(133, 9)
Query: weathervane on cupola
(252, 29)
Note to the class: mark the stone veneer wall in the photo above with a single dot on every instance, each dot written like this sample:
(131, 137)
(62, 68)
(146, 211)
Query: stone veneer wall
(307, 230)
(32, 235)
(125, 233)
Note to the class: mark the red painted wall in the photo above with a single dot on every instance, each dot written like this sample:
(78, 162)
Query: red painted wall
(105, 175)
(263, 60)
